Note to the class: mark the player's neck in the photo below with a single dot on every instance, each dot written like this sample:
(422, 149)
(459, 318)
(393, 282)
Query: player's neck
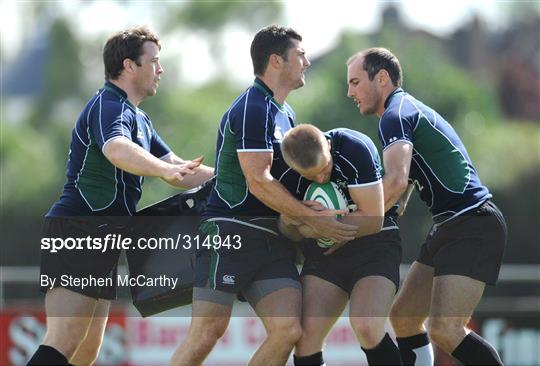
(277, 87)
(130, 90)
(384, 96)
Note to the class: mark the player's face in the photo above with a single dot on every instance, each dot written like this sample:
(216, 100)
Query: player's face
(365, 92)
(149, 73)
(322, 172)
(295, 66)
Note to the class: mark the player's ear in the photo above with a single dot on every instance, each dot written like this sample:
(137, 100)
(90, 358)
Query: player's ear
(129, 64)
(383, 77)
(275, 61)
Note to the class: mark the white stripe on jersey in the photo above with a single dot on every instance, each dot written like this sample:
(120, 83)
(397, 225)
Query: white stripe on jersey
(364, 184)
(244, 121)
(254, 150)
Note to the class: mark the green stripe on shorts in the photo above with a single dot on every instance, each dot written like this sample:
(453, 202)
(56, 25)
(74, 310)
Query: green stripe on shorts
(211, 229)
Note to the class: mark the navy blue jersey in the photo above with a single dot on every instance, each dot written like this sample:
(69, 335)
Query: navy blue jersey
(441, 169)
(356, 163)
(95, 186)
(255, 122)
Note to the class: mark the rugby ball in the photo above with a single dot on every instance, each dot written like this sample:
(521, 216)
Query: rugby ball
(330, 196)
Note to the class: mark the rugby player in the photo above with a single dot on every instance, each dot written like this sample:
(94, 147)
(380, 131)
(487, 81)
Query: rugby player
(464, 249)
(245, 201)
(363, 271)
(113, 145)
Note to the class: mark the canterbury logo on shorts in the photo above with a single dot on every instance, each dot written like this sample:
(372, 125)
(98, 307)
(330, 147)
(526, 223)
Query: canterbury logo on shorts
(228, 280)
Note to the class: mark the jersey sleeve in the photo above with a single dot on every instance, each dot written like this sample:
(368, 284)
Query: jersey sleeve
(393, 128)
(360, 162)
(158, 147)
(252, 125)
(109, 121)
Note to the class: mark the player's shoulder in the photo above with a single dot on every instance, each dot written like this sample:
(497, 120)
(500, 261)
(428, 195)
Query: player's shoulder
(250, 103)
(401, 106)
(345, 141)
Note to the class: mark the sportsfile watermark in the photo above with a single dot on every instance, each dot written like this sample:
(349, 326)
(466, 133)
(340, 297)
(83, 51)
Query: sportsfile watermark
(123, 242)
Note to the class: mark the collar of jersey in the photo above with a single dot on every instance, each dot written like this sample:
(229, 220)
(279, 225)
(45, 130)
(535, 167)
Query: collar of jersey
(260, 85)
(330, 138)
(110, 87)
(396, 91)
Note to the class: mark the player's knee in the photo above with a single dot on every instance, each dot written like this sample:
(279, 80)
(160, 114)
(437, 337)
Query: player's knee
(442, 329)
(206, 336)
(399, 321)
(403, 323)
(369, 330)
(287, 330)
(311, 329)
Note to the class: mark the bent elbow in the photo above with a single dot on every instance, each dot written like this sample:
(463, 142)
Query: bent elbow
(256, 183)
(378, 224)
(400, 184)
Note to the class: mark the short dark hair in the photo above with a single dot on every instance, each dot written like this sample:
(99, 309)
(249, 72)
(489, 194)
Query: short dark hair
(125, 44)
(377, 59)
(302, 146)
(271, 40)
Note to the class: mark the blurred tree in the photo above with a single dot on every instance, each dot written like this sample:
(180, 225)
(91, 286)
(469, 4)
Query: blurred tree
(215, 15)
(211, 19)
(63, 73)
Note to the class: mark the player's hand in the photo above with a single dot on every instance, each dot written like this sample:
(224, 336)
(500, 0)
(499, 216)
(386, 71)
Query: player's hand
(314, 205)
(289, 221)
(175, 173)
(197, 160)
(326, 225)
(307, 231)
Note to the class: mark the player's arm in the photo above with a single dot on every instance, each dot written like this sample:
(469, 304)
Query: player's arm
(397, 163)
(290, 227)
(404, 200)
(256, 168)
(202, 172)
(296, 230)
(369, 216)
(130, 157)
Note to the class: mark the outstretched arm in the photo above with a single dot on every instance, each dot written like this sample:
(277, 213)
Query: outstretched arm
(130, 157)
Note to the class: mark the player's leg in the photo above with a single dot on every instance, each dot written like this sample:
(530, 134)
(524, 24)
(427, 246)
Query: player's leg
(468, 257)
(209, 321)
(280, 314)
(277, 302)
(69, 315)
(376, 281)
(370, 303)
(454, 300)
(408, 314)
(322, 304)
(213, 298)
(88, 350)
(70, 310)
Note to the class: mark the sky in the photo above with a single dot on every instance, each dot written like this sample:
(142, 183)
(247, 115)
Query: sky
(320, 24)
